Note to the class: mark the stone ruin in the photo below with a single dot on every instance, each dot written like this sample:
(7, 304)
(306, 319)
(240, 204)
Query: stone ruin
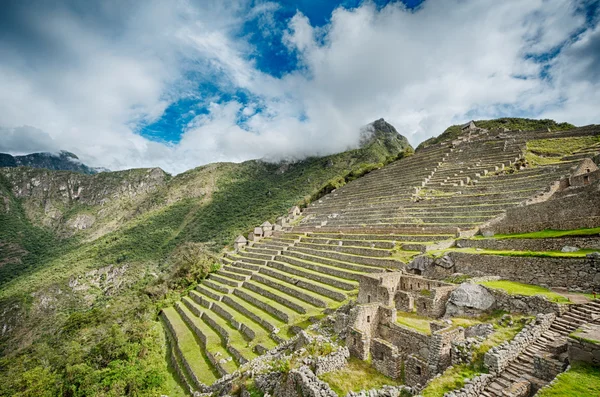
(266, 229)
(393, 347)
(585, 173)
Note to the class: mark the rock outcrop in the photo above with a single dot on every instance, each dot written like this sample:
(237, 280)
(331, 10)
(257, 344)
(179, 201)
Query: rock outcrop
(469, 299)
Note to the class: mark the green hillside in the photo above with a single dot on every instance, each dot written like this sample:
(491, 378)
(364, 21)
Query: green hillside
(87, 260)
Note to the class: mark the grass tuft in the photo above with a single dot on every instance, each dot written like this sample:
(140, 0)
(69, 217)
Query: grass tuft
(357, 375)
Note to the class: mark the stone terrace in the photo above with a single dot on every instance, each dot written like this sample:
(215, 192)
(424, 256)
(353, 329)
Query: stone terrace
(442, 186)
(267, 291)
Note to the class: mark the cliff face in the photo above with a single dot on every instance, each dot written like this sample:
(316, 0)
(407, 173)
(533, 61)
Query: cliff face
(63, 201)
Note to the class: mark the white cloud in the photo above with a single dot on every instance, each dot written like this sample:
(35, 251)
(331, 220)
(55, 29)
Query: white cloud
(88, 84)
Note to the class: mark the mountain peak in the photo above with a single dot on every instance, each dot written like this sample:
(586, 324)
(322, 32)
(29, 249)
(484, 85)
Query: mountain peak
(63, 160)
(386, 134)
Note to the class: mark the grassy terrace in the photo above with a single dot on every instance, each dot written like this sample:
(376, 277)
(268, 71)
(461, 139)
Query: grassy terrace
(546, 254)
(213, 339)
(515, 288)
(414, 321)
(357, 375)
(580, 380)
(454, 378)
(548, 234)
(189, 348)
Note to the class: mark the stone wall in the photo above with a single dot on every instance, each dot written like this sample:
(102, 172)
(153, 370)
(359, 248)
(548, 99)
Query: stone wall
(302, 382)
(386, 358)
(407, 340)
(416, 371)
(332, 362)
(378, 287)
(584, 351)
(578, 274)
(472, 388)
(570, 209)
(358, 343)
(385, 391)
(177, 353)
(440, 348)
(499, 357)
(530, 305)
(433, 304)
(532, 244)
(546, 366)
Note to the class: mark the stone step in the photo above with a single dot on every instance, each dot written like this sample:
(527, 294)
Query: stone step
(269, 322)
(291, 290)
(277, 296)
(363, 251)
(321, 265)
(222, 279)
(234, 275)
(382, 237)
(195, 366)
(281, 312)
(209, 292)
(237, 270)
(252, 255)
(354, 243)
(343, 261)
(281, 264)
(219, 357)
(257, 249)
(235, 342)
(250, 326)
(306, 284)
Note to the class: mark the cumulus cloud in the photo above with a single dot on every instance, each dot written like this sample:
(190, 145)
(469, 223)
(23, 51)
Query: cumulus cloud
(88, 77)
(25, 140)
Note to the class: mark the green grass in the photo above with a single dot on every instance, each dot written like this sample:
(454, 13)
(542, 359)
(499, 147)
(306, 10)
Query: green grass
(561, 146)
(515, 288)
(451, 379)
(543, 254)
(414, 321)
(581, 380)
(357, 375)
(548, 233)
(189, 348)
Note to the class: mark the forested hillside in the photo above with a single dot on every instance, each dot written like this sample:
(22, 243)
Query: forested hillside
(88, 260)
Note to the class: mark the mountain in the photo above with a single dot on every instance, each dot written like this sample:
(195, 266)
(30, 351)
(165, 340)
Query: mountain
(63, 160)
(510, 123)
(86, 261)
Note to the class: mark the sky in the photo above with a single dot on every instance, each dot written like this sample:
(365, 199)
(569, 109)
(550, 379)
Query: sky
(181, 83)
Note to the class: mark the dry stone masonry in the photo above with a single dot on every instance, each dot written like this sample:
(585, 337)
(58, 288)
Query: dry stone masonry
(376, 241)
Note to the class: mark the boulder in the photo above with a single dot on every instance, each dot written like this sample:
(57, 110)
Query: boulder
(445, 261)
(479, 330)
(420, 263)
(568, 248)
(488, 233)
(469, 299)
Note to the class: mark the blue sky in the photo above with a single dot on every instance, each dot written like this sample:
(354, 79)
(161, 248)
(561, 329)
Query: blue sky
(271, 57)
(183, 83)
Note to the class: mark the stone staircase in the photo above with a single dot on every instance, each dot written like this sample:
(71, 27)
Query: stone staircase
(522, 368)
